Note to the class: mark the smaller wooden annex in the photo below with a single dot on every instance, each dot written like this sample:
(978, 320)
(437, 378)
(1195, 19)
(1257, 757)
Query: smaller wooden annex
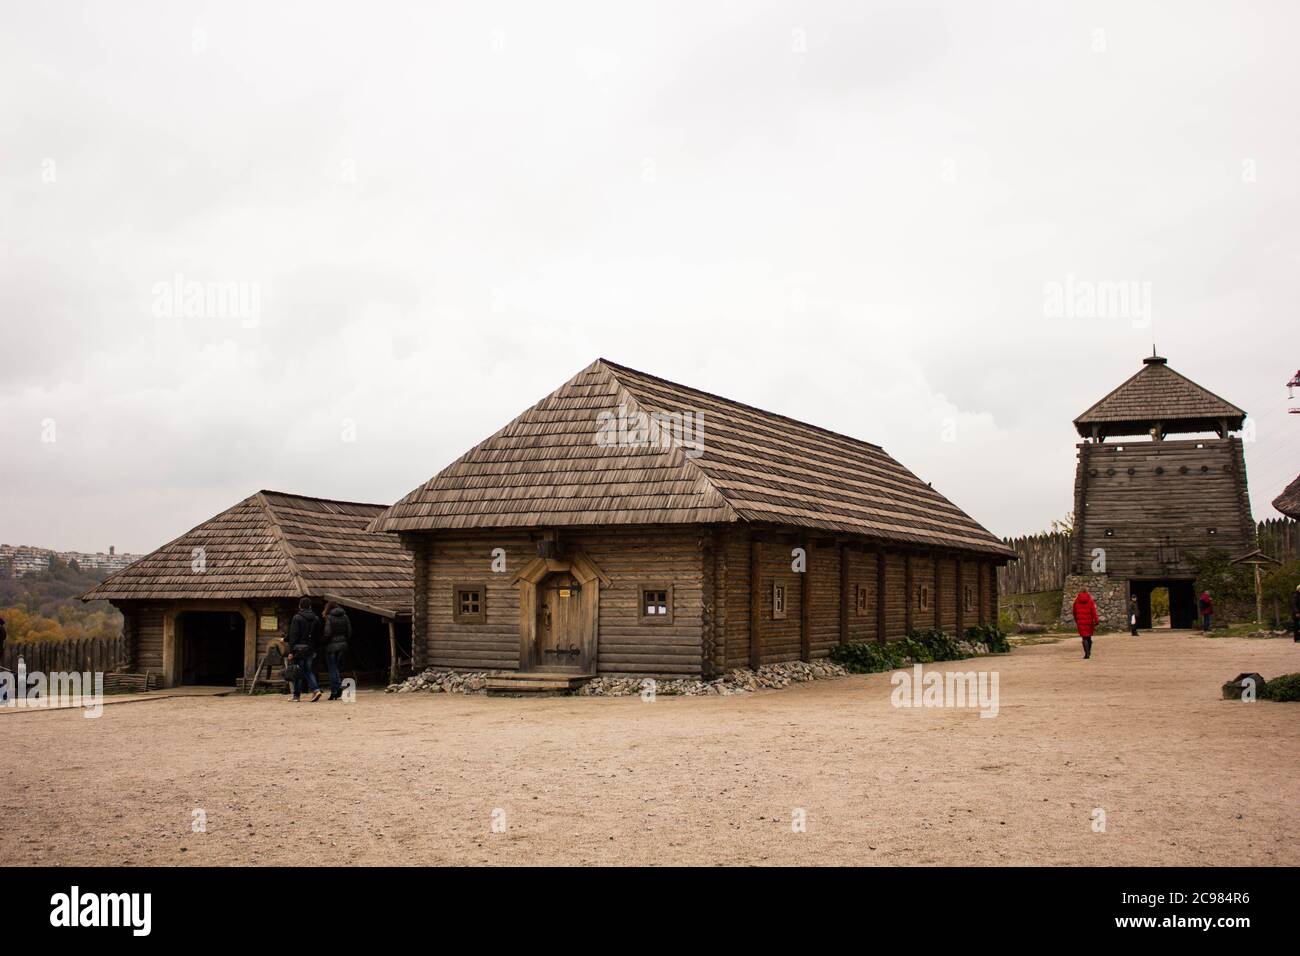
(205, 608)
(626, 524)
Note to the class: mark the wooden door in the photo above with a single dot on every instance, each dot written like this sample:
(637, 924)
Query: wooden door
(562, 624)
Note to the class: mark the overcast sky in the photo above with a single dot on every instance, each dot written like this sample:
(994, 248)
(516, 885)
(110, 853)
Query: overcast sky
(851, 213)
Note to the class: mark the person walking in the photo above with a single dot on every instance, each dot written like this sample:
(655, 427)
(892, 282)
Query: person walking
(1133, 615)
(1207, 612)
(338, 628)
(4, 636)
(304, 631)
(1086, 620)
(1295, 613)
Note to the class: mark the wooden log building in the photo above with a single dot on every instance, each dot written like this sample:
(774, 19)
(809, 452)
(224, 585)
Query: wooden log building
(629, 525)
(1146, 503)
(205, 608)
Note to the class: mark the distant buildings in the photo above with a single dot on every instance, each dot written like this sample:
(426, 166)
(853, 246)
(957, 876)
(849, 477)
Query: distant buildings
(17, 560)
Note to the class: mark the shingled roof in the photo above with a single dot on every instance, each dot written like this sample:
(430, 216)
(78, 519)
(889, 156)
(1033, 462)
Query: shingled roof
(1158, 394)
(551, 468)
(276, 545)
(1288, 502)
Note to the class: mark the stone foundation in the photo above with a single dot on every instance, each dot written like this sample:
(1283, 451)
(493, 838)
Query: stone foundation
(1111, 595)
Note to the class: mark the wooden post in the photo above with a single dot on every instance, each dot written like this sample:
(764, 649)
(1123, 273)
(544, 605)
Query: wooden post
(844, 594)
(392, 653)
(979, 584)
(881, 582)
(1259, 597)
(937, 600)
(755, 604)
(961, 603)
(805, 604)
(908, 586)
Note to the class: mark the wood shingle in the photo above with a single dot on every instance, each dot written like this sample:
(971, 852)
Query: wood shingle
(579, 457)
(275, 545)
(1156, 394)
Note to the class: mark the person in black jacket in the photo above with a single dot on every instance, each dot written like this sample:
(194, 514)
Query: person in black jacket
(338, 628)
(304, 633)
(4, 635)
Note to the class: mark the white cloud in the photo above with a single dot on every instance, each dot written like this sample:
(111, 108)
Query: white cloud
(448, 212)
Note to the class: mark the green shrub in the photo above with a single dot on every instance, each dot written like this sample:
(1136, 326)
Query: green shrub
(990, 636)
(868, 657)
(932, 645)
(921, 647)
(1284, 688)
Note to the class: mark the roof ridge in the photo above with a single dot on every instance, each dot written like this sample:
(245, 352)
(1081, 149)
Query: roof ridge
(377, 523)
(328, 501)
(1200, 387)
(166, 544)
(1148, 370)
(674, 450)
(290, 556)
(732, 401)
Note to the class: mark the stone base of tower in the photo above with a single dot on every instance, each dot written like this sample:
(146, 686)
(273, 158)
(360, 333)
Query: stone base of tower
(1111, 595)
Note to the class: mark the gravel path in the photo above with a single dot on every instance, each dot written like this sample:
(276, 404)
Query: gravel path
(1139, 732)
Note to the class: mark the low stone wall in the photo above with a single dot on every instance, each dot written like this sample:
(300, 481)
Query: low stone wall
(1111, 595)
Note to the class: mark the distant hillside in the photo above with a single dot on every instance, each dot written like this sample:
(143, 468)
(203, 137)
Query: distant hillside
(45, 605)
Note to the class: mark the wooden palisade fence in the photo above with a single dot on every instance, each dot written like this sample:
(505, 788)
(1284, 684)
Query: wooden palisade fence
(1279, 537)
(1044, 559)
(50, 657)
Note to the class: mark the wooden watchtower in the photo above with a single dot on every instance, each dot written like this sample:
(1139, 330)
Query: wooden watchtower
(1161, 479)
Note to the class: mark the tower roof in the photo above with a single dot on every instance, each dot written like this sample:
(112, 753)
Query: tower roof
(1156, 394)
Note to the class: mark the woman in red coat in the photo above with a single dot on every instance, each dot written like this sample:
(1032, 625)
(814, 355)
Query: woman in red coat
(1086, 619)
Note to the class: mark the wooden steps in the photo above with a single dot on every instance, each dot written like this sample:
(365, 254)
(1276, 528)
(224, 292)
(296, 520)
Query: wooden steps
(534, 684)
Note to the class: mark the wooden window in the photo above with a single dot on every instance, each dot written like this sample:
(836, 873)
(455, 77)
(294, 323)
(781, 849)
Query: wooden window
(469, 604)
(968, 597)
(923, 597)
(656, 603)
(860, 599)
(778, 601)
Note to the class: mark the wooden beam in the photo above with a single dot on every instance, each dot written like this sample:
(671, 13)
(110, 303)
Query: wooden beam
(805, 604)
(961, 602)
(909, 584)
(881, 582)
(755, 604)
(844, 594)
(392, 654)
(936, 600)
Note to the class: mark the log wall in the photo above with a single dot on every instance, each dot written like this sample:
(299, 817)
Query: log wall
(629, 558)
(1159, 500)
(719, 622)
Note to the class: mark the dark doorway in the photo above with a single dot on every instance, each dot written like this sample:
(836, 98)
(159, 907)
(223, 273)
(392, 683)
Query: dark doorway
(1181, 602)
(368, 656)
(212, 647)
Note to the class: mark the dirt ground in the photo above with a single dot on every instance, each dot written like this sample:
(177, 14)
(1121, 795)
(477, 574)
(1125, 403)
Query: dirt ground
(1138, 732)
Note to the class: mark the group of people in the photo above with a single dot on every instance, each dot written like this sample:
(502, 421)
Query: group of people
(1086, 616)
(309, 633)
